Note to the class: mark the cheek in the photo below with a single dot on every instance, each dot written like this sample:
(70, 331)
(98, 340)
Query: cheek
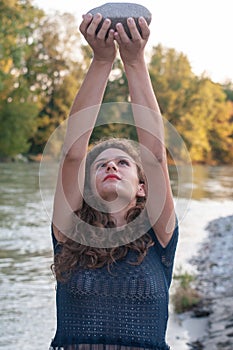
(95, 181)
(92, 180)
(136, 178)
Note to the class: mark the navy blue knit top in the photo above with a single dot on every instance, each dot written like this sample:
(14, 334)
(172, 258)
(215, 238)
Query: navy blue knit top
(125, 308)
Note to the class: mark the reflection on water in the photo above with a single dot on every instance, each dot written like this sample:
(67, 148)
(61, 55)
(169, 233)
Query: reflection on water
(26, 284)
(208, 182)
(213, 182)
(27, 303)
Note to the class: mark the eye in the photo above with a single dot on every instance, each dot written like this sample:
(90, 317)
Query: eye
(101, 165)
(123, 162)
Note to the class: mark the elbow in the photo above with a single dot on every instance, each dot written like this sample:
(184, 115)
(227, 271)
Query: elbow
(159, 152)
(155, 153)
(73, 154)
(159, 156)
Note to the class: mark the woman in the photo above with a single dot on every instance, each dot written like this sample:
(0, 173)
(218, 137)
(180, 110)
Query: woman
(114, 230)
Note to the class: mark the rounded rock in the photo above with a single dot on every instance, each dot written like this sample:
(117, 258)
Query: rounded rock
(119, 12)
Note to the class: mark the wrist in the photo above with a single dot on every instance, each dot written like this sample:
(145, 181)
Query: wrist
(103, 62)
(136, 65)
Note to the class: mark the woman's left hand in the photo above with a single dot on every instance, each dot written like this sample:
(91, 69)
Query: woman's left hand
(132, 49)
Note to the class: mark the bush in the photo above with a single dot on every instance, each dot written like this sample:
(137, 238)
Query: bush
(185, 296)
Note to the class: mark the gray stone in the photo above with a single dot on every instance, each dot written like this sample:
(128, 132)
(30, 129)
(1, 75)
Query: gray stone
(119, 12)
(215, 266)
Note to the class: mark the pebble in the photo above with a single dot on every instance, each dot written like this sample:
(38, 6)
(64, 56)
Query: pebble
(215, 283)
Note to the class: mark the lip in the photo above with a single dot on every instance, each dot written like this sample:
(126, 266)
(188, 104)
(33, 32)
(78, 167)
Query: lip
(112, 176)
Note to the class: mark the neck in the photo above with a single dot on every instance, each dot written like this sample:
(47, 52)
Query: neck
(119, 219)
(120, 216)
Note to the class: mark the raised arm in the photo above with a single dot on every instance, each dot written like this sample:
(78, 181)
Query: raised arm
(83, 114)
(150, 128)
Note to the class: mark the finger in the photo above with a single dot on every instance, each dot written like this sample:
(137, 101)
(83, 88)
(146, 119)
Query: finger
(122, 34)
(91, 30)
(104, 29)
(133, 29)
(144, 28)
(111, 36)
(85, 22)
(117, 38)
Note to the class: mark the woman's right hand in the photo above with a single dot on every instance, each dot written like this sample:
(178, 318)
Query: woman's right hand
(103, 45)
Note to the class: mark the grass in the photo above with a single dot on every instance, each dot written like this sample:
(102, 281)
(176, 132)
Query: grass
(185, 297)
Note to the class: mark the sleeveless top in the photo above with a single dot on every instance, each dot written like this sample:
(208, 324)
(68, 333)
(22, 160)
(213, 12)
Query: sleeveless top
(122, 310)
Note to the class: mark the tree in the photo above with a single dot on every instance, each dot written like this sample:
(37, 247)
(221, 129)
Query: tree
(55, 73)
(171, 77)
(18, 19)
(115, 111)
(17, 124)
(196, 106)
(205, 125)
(221, 133)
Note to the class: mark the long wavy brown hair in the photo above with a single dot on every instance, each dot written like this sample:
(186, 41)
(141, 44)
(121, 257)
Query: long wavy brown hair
(73, 254)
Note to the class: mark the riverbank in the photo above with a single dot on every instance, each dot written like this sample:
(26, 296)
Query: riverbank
(215, 283)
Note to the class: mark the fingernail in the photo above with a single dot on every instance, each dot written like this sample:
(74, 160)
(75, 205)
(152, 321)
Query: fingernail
(130, 20)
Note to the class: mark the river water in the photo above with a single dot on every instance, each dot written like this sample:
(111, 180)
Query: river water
(27, 287)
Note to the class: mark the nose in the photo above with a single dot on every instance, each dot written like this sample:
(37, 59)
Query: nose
(111, 166)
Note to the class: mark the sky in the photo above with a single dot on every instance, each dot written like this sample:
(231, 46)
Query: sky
(201, 29)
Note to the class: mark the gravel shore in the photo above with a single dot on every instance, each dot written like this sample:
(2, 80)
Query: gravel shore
(215, 283)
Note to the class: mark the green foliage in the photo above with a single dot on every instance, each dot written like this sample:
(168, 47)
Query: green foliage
(115, 120)
(206, 126)
(228, 90)
(185, 300)
(185, 296)
(117, 88)
(17, 125)
(42, 65)
(39, 65)
(17, 109)
(196, 106)
(184, 278)
(17, 22)
(55, 72)
(171, 77)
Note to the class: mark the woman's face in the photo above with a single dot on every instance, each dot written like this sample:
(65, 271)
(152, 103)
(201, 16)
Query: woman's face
(114, 176)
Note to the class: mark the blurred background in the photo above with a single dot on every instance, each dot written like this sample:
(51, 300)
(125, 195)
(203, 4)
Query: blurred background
(42, 63)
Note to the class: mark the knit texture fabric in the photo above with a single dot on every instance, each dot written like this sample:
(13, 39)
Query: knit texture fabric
(98, 310)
